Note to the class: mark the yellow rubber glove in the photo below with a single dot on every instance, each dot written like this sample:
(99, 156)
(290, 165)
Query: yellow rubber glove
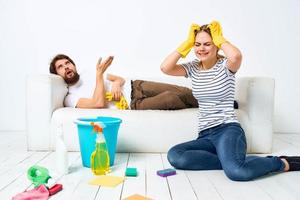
(108, 96)
(187, 45)
(216, 33)
(121, 104)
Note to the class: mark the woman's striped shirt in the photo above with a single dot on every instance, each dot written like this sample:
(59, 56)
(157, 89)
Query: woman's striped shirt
(214, 90)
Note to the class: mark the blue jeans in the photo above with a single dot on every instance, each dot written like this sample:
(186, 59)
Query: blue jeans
(223, 147)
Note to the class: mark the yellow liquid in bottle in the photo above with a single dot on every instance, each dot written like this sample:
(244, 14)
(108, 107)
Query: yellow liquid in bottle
(100, 159)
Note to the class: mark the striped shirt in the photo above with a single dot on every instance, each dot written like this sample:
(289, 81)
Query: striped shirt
(214, 90)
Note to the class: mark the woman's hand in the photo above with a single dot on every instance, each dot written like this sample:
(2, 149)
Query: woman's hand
(187, 45)
(216, 33)
(233, 54)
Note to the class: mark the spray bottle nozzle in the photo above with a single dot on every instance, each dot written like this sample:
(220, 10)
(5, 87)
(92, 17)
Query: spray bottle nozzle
(97, 128)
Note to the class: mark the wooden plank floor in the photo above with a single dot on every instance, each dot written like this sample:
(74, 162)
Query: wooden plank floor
(186, 185)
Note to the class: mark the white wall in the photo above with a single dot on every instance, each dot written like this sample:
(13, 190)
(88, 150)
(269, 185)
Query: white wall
(140, 34)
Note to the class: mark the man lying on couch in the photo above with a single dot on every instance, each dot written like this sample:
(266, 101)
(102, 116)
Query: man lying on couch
(114, 91)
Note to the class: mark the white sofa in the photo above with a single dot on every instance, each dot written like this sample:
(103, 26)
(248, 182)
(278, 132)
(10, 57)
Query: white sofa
(144, 130)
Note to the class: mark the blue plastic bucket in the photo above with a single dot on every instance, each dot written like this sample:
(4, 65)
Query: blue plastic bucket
(87, 138)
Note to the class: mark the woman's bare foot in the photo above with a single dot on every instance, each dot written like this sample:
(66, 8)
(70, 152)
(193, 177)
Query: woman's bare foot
(286, 165)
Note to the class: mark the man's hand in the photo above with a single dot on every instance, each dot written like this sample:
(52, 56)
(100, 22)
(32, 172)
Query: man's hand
(103, 65)
(116, 91)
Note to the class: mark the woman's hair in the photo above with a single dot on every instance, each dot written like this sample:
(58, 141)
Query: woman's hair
(204, 28)
(52, 68)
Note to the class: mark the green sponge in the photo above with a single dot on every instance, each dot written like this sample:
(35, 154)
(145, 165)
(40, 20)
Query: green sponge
(131, 172)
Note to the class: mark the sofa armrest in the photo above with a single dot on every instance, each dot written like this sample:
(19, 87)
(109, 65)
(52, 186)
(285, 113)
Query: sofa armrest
(45, 93)
(261, 99)
(256, 98)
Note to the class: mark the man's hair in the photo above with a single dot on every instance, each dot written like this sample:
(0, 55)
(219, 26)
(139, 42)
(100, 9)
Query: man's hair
(52, 68)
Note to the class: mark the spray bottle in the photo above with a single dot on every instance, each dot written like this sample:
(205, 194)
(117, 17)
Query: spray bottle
(100, 157)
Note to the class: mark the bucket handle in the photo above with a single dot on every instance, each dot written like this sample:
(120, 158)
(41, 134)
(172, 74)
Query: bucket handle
(89, 123)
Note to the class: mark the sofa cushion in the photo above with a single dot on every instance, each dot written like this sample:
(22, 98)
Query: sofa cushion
(140, 130)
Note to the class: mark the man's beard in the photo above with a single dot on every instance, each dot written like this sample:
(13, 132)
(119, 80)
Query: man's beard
(73, 79)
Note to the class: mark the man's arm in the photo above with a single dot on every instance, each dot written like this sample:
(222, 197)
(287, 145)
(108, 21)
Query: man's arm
(115, 78)
(98, 100)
